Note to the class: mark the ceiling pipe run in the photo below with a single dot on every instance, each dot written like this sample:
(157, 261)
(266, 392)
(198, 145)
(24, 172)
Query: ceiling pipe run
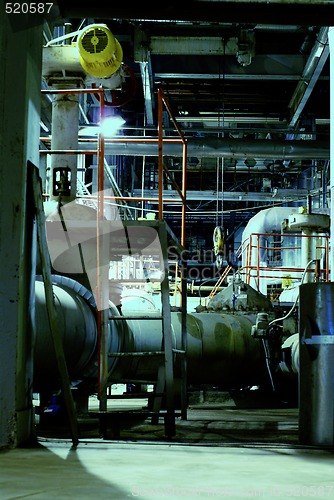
(216, 147)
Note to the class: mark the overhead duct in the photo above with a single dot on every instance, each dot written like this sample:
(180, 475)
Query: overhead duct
(219, 147)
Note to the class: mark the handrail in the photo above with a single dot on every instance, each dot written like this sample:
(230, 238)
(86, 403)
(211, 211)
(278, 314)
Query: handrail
(255, 270)
(220, 281)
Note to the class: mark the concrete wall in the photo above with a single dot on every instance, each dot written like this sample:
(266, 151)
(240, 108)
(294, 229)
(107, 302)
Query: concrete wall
(20, 82)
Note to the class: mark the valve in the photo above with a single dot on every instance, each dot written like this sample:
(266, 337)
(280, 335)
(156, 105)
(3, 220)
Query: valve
(62, 181)
(259, 330)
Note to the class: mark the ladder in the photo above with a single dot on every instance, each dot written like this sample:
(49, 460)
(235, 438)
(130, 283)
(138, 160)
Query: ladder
(165, 377)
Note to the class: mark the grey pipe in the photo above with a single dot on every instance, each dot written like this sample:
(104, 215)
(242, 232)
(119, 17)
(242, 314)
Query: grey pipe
(65, 122)
(79, 333)
(221, 349)
(221, 147)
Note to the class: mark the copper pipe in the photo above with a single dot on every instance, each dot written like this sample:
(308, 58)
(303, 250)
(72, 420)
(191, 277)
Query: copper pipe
(182, 193)
(219, 282)
(258, 264)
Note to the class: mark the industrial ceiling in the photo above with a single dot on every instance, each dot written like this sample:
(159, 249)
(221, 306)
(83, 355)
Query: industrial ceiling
(248, 84)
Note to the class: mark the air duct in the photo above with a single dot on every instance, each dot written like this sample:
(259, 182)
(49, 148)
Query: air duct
(219, 147)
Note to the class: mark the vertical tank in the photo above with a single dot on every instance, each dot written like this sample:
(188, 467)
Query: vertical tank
(316, 380)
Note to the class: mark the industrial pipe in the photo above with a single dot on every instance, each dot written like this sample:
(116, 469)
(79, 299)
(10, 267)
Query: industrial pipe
(218, 147)
(221, 349)
(65, 125)
(77, 325)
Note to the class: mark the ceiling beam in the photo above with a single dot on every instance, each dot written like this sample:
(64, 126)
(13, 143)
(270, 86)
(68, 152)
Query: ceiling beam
(310, 76)
(284, 12)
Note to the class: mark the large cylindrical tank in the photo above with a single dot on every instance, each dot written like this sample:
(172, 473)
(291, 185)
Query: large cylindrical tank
(316, 370)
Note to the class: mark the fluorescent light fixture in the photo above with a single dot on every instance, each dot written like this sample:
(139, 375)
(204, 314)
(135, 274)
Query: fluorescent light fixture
(111, 125)
(109, 128)
(90, 131)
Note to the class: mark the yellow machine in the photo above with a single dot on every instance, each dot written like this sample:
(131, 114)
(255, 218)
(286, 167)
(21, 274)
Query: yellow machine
(100, 53)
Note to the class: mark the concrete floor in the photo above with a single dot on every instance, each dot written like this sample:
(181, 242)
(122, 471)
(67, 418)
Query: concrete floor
(117, 470)
(220, 451)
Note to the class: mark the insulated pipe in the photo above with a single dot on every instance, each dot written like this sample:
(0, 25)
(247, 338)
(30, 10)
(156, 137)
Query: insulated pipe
(267, 221)
(77, 325)
(221, 349)
(65, 126)
(217, 147)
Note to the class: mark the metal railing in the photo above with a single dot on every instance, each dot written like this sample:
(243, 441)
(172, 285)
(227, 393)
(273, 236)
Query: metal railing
(264, 258)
